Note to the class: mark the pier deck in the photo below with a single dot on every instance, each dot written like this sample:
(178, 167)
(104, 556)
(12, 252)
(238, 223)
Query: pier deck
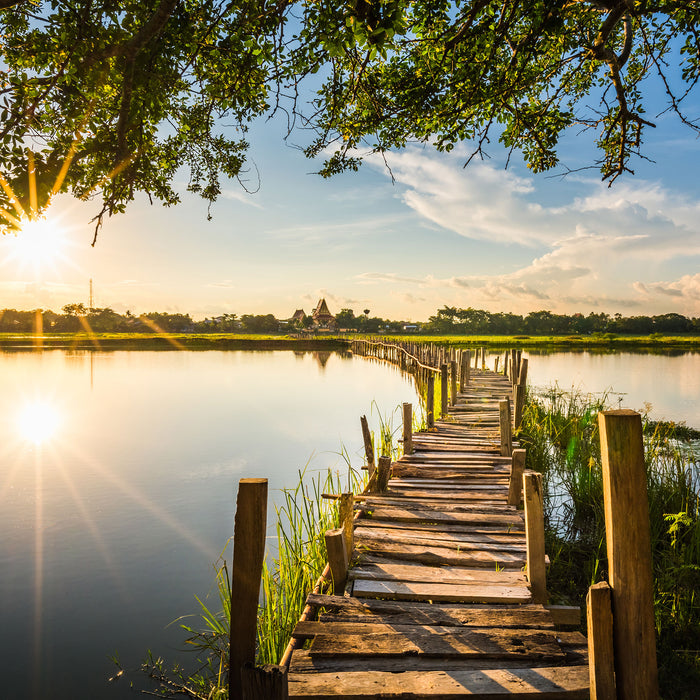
(437, 603)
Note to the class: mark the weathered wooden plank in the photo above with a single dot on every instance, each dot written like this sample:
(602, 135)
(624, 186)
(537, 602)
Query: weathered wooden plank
(373, 501)
(416, 514)
(496, 684)
(399, 571)
(448, 592)
(445, 556)
(305, 662)
(370, 536)
(348, 639)
(497, 494)
(488, 533)
(475, 615)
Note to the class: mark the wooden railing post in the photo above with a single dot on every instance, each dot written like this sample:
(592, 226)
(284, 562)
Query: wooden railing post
(337, 558)
(522, 372)
(601, 658)
(430, 401)
(519, 401)
(627, 534)
(495, 365)
(407, 429)
(383, 473)
(248, 553)
(534, 535)
(506, 428)
(346, 513)
(443, 390)
(264, 682)
(483, 358)
(453, 382)
(515, 485)
(369, 450)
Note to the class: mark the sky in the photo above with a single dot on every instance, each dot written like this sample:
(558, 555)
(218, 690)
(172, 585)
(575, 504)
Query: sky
(483, 236)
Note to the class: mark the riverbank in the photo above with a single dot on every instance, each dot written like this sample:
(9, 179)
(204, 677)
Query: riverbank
(243, 341)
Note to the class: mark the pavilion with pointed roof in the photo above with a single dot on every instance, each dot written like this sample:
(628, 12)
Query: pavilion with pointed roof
(323, 318)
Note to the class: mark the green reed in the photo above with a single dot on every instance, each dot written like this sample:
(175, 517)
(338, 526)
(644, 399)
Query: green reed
(560, 433)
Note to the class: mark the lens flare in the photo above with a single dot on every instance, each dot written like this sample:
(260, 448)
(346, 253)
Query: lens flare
(38, 421)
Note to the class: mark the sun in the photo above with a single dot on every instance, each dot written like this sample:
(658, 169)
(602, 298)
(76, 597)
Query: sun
(38, 421)
(39, 243)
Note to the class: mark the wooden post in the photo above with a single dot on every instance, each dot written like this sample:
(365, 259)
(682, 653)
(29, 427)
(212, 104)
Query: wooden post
(513, 364)
(337, 558)
(369, 450)
(515, 486)
(601, 658)
(264, 683)
(443, 390)
(629, 554)
(464, 370)
(430, 401)
(495, 365)
(522, 373)
(383, 473)
(453, 382)
(519, 401)
(519, 359)
(248, 555)
(346, 513)
(467, 364)
(483, 358)
(506, 428)
(534, 535)
(407, 429)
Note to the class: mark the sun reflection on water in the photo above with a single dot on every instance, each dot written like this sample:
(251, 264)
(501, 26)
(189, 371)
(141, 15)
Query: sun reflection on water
(38, 421)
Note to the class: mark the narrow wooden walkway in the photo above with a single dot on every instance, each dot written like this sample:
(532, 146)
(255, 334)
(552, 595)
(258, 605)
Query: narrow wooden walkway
(437, 604)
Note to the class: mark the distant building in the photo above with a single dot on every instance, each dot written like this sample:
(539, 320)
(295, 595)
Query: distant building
(323, 318)
(298, 316)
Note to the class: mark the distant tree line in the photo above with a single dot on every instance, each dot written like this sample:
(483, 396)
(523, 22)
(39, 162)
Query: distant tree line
(478, 322)
(448, 320)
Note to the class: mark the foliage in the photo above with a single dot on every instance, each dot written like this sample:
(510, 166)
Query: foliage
(560, 433)
(106, 99)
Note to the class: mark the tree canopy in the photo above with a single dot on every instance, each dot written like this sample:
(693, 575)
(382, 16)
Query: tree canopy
(104, 99)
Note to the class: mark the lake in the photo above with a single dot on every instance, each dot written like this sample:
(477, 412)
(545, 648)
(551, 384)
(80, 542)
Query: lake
(119, 475)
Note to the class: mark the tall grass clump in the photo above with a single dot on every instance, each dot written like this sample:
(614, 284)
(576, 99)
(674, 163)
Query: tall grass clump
(560, 433)
(288, 577)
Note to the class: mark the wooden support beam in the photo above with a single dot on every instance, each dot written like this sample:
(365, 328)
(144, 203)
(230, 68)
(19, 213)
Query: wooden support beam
(337, 558)
(519, 401)
(248, 554)
(430, 401)
(383, 473)
(346, 513)
(534, 535)
(601, 657)
(407, 429)
(515, 486)
(453, 382)
(264, 683)
(506, 428)
(369, 449)
(629, 554)
(443, 389)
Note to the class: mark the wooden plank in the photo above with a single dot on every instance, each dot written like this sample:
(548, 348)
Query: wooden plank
(488, 532)
(400, 612)
(498, 494)
(445, 556)
(565, 615)
(304, 662)
(399, 571)
(448, 592)
(370, 536)
(348, 639)
(496, 684)
(372, 501)
(411, 513)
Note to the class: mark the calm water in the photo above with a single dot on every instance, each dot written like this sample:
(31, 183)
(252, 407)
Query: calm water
(112, 520)
(118, 475)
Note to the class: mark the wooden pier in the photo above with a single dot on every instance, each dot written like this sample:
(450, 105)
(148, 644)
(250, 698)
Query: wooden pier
(438, 602)
(436, 580)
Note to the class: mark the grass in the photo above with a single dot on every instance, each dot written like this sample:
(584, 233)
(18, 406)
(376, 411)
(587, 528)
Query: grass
(560, 433)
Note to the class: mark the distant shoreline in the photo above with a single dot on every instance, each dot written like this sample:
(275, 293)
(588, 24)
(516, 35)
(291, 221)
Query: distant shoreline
(239, 341)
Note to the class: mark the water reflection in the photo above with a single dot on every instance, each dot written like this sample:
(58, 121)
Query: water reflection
(38, 421)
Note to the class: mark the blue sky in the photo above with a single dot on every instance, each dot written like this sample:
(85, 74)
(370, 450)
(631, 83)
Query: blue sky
(484, 236)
